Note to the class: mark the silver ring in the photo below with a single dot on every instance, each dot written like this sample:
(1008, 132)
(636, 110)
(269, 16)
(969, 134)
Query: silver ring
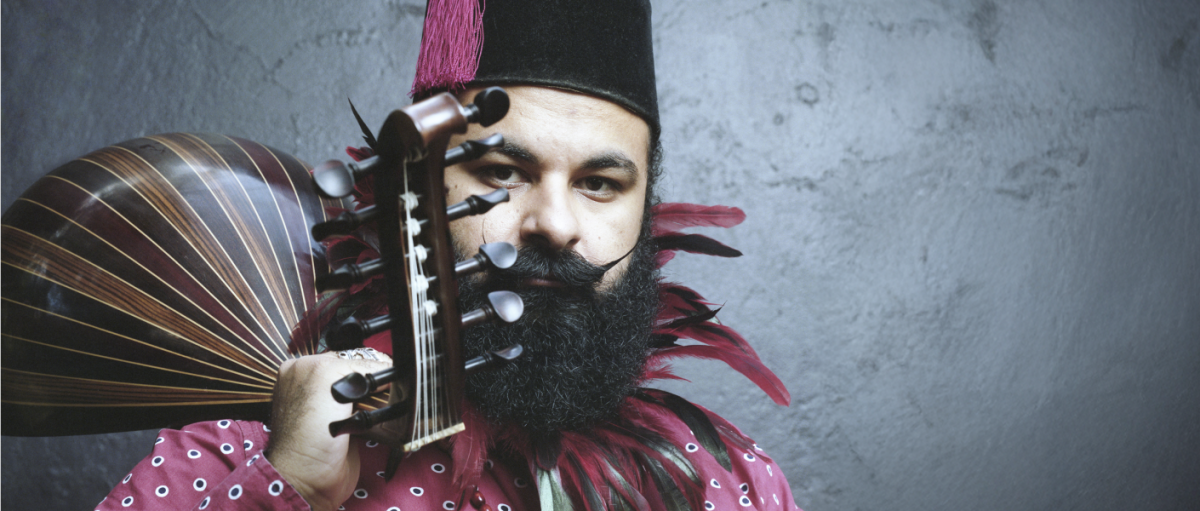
(362, 354)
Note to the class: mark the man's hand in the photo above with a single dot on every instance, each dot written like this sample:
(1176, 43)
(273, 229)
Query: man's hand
(323, 469)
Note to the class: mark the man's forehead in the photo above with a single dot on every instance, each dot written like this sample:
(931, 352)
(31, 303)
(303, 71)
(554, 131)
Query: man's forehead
(617, 136)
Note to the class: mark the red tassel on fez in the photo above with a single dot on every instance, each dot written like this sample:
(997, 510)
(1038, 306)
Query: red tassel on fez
(450, 45)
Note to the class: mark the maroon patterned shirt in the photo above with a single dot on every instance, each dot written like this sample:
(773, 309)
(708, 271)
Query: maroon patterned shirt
(219, 466)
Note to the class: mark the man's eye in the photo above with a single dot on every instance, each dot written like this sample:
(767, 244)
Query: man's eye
(501, 174)
(597, 184)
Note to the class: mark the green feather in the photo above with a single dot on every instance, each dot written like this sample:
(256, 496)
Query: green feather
(551, 494)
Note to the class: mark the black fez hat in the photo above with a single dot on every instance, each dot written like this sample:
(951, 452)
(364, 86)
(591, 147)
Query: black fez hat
(599, 47)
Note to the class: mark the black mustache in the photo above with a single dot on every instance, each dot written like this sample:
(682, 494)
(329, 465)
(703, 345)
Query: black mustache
(567, 266)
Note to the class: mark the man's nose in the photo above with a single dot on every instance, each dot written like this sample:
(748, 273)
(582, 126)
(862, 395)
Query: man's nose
(550, 220)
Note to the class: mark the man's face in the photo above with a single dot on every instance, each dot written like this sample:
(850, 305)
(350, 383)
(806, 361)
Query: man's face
(575, 168)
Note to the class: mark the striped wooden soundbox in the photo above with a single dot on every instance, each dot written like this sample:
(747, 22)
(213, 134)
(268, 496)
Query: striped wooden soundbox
(156, 282)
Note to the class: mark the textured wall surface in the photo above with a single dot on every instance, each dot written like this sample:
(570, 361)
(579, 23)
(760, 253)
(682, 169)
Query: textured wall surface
(973, 234)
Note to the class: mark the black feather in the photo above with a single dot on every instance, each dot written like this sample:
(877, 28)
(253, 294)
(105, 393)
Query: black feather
(695, 419)
(591, 498)
(394, 458)
(368, 137)
(547, 449)
(691, 319)
(689, 296)
(618, 500)
(662, 340)
(696, 244)
(672, 496)
(685, 293)
(661, 445)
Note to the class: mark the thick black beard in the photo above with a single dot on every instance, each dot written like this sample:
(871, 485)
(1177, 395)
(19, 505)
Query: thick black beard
(583, 350)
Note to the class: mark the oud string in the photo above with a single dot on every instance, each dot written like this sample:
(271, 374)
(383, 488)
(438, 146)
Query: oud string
(426, 420)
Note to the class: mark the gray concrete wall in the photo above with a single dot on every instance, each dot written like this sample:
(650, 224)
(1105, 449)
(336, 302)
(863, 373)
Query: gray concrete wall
(973, 232)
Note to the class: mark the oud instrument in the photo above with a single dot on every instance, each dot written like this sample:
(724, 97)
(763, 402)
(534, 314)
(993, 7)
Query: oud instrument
(164, 280)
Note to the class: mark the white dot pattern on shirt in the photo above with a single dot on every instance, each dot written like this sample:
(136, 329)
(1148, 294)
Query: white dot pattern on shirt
(199, 484)
(393, 508)
(204, 503)
(223, 424)
(128, 501)
(247, 445)
(372, 443)
(126, 480)
(159, 441)
(276, 488)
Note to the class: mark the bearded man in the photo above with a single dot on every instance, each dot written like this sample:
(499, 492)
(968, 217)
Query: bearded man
(566, 425)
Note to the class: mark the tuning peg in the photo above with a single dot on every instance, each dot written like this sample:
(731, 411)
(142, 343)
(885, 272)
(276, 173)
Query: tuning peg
(489, 106)
(477, 204)
(344, 223)
(503, 305)
(335, 179)
(499, 255)
(363, 420)
(348, 275)
(494, 359)
(356, 386)
(472, 149)
(352, 332)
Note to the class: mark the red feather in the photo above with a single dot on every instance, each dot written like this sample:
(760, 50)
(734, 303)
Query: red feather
(663, 257)
(678, 302)
(306, 335)
(750, 367)
(672, 216)
(469, 450)
(359, 153)
(659, 372)
(715, 335)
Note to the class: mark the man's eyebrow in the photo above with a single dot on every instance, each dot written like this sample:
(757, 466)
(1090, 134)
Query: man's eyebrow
(613, 160)
(609, 160)
(517, 152)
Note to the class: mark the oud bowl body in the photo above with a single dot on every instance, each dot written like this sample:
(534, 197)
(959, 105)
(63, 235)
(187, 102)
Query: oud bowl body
(156, 282)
